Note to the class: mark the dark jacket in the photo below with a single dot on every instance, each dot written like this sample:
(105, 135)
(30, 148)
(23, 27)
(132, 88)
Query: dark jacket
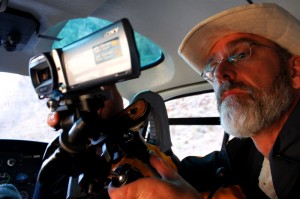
(241, 163)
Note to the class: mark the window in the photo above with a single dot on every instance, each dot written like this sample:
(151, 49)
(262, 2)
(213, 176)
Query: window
(196, 140)
(23, 116)
(75, 29)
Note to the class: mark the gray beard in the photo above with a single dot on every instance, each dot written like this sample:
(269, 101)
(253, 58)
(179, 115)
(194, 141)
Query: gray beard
(245, 117)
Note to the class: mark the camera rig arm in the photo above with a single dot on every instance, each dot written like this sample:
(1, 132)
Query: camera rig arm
(93, 149)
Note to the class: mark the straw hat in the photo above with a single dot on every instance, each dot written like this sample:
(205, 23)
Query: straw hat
(267, 20)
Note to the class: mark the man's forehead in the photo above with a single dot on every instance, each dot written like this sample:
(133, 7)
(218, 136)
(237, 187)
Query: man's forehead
(233, 39)
(229, 41)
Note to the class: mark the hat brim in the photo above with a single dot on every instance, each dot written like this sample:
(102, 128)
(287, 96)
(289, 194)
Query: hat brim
(266, 20)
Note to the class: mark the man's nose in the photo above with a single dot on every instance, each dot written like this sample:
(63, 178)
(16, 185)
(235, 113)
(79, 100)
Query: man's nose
(224, 71)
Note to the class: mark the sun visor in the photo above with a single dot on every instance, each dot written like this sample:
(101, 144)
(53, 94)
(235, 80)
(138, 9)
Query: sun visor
(17, 27)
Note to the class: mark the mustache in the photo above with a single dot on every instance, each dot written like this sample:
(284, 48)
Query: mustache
(229, 85)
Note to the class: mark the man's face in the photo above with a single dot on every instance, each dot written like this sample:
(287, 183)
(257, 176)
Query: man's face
(253, 94)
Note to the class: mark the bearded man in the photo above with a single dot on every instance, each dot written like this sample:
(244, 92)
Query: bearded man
(251, 56)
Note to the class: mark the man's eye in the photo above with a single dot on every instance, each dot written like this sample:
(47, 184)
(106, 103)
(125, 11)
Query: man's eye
(241, 52)
(233, 58)
(242, 55)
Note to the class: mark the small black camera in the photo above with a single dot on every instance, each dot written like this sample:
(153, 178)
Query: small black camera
(106, 56)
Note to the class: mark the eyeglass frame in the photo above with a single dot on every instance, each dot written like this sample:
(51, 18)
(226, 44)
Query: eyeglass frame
(232, 59)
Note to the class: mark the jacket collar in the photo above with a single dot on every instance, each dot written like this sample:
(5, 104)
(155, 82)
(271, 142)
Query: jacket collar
(285, 157)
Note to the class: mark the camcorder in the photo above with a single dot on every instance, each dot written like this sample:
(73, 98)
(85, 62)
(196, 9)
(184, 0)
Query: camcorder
(90, 151)
(106, 56)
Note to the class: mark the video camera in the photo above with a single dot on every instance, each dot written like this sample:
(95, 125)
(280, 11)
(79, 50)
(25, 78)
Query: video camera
(98, 149)
(107, 56)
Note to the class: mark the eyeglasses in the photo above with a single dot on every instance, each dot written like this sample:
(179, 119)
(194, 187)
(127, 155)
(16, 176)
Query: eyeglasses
(240, 53)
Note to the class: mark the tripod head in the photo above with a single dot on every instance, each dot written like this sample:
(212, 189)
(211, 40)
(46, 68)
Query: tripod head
(91, 146)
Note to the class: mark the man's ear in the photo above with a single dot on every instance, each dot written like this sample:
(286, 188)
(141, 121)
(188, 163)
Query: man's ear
(295, 71)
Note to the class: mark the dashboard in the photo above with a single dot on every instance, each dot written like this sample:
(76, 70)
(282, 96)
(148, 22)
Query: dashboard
(20, 162)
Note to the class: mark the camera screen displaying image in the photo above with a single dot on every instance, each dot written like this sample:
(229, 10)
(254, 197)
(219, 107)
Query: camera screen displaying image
(103, 54)
(106, 56)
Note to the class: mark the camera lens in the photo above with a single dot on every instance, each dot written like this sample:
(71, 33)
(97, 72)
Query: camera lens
(44, 75)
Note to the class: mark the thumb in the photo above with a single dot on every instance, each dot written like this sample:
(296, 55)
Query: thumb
(162, 167)
(53, 119)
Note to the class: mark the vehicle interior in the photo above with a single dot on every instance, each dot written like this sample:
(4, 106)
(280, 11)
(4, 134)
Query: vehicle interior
(183, 110)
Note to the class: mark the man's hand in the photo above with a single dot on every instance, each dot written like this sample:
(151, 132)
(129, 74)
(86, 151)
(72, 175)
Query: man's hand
(171, 185)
